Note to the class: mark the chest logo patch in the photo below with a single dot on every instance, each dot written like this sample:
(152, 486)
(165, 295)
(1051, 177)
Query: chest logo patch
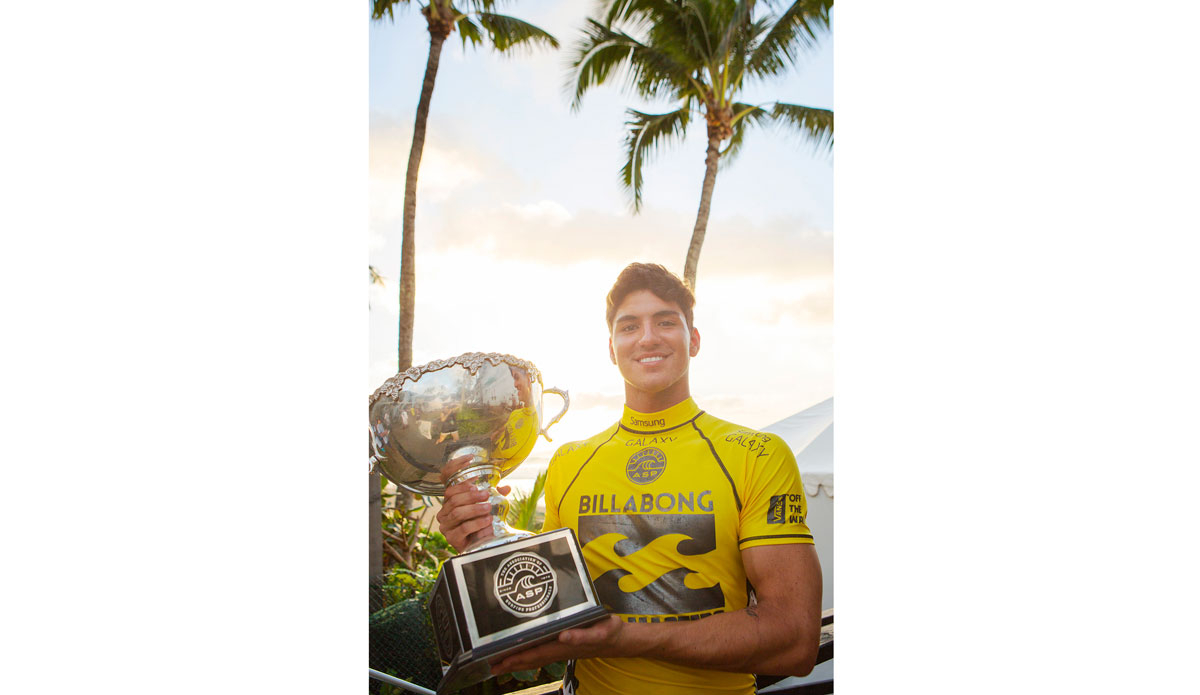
(525, 584)
(646, 465)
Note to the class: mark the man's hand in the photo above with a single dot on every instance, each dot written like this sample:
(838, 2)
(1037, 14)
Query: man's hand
(601, 639)
(466, 515)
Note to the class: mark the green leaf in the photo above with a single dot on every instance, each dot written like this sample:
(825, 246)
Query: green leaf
(648, 70)
(799, 27)
(646, 134)
(815, 124)
(526, 676)
(522, 509)
(469, 31)
(507, 32)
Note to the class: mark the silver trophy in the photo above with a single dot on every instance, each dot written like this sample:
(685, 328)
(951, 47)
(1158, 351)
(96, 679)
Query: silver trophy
(512, 589)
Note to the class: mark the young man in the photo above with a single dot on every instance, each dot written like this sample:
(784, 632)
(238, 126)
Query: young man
(683, 518)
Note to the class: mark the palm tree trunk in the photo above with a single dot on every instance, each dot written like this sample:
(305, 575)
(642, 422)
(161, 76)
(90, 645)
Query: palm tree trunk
(408, 281)
(710, 180)
(375, 554)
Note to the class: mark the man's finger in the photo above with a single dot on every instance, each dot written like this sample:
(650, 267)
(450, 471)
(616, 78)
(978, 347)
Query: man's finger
(530, 658)
(455, 465)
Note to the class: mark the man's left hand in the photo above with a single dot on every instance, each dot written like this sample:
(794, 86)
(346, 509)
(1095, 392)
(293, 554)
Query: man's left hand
(601, 639)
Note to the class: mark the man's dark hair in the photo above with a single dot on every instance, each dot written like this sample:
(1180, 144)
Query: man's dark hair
(650, 276)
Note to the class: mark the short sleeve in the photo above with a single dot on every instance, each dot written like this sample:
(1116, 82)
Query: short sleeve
(775, 508)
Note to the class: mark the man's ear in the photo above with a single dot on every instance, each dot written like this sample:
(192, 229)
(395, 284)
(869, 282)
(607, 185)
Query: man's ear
(695, 342)
(611, 355)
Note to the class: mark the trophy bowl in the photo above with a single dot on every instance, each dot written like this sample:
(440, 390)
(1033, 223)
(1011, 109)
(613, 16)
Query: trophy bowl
(488, 405)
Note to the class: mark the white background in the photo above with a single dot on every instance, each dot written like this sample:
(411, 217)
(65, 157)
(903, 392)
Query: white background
(182, 507)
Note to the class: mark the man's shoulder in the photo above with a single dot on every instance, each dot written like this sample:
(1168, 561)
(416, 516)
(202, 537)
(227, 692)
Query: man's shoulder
(726, 434)
(582, 447)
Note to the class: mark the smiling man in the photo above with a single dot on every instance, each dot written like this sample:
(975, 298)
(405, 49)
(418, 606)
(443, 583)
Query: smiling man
(692, 527)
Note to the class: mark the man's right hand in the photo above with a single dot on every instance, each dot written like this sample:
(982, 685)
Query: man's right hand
(466, 514)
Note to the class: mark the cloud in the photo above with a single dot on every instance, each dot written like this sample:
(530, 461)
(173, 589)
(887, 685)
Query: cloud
(781, 249)
(545, 211)
(444, 166)
(814, 306)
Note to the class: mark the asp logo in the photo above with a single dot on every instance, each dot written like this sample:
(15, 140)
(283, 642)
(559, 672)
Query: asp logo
(525, 584)
(646, 465)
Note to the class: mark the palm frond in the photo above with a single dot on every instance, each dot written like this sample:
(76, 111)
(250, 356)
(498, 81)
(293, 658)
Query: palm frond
(647, 133)
(506, 32)
(738, 22)
(468, 30)
(649, 71)
(444, 9)
(815, 124)
(376, 277)
(522, 510)
(744, 117)
(379, 8)
(638, 13)
(800, 26)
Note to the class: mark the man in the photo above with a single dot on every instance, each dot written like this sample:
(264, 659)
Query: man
(692, 527)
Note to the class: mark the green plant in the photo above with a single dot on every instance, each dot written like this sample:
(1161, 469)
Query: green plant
(522, 508)
(413, 551)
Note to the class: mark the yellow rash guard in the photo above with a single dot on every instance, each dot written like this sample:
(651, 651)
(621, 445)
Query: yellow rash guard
(663, 504)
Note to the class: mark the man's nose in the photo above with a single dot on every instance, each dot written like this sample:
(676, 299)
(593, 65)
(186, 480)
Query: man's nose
(648, 336)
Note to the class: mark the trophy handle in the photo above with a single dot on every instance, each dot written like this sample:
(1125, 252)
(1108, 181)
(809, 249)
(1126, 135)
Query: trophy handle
(375, 455)
(566, 404)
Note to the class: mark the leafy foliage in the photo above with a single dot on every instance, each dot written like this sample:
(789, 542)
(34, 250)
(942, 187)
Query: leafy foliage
(522, 508)
(698, 53)
(413, 552)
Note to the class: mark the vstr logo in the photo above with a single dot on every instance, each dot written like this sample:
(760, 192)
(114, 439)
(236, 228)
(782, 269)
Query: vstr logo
(524, 584)
(786, 508)
(646, 465)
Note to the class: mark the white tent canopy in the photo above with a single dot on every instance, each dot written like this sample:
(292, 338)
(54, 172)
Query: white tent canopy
(809, 433)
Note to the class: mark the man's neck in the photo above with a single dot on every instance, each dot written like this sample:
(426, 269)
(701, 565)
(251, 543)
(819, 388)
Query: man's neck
(653, 402)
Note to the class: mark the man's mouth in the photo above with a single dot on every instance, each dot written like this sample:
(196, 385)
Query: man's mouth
(650, 359)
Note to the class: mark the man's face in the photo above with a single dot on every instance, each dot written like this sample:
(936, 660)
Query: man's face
(521, 383)
(652, 345)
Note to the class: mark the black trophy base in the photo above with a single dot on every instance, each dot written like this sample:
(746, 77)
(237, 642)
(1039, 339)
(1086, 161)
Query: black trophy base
(489, 603)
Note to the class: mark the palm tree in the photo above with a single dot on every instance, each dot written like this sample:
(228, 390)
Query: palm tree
(443, 17)
(700, 54)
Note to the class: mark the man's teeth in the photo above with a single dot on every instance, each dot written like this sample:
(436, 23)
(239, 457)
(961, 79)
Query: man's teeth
(644, 360)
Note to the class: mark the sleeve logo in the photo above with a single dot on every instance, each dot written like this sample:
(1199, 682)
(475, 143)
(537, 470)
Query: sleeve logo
(777, 510)
(524, 584)
(786, 509)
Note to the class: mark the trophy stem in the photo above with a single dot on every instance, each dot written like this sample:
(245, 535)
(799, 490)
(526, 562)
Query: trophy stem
(483, 475)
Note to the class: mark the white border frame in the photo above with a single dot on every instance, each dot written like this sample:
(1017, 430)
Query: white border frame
(473, 630)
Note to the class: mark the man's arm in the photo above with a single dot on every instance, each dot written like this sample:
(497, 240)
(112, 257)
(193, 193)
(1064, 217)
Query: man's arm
(779, 635)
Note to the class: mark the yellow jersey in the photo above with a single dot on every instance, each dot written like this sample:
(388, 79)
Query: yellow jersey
(663, 504)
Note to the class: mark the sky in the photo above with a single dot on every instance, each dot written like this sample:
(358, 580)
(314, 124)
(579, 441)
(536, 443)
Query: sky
(522, 227)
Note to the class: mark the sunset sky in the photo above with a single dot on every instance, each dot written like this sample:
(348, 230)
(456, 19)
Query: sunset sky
(522, 227)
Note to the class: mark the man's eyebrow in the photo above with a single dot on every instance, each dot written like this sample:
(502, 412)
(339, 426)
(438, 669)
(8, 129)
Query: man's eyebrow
(658, 315)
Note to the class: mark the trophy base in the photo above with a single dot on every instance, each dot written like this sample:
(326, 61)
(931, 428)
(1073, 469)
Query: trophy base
(491, 602)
